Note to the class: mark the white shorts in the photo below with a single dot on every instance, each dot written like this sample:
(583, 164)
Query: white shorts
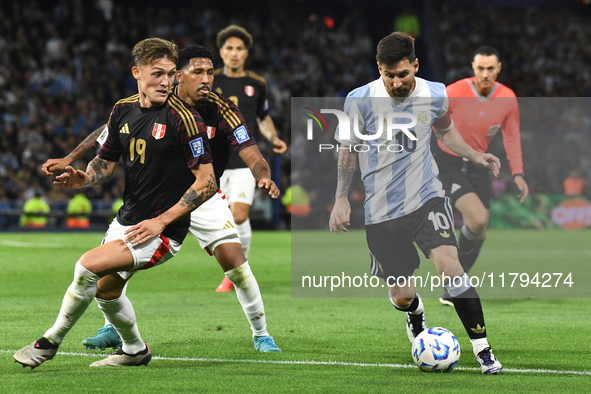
(239, 185)
(212, 223)
(147, 255)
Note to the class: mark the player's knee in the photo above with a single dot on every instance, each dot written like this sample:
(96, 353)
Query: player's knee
(240, 275)
(83, 276)
(240, 216)
(87, 262)
(478, 223)
(84, 284)
(105, 293)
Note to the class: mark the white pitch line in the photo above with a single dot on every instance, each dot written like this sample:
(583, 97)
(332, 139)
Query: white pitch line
(311, 362)
(19, 244)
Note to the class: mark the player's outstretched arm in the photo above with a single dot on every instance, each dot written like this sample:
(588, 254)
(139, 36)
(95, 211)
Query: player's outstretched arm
(260, 169)
(454, 141)
(267, 129)
(341, 212)
(81, 150)
(202, 189)
(97, 172)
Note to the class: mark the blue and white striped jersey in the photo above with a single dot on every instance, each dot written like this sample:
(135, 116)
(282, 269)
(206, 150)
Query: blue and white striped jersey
(399, 174)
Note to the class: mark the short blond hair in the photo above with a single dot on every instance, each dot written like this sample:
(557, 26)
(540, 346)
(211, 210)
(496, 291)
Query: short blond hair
(150, 50)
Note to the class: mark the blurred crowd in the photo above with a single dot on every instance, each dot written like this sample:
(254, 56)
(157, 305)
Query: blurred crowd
(62, 67)
(546, 56)
(546, 52)
(64, 64)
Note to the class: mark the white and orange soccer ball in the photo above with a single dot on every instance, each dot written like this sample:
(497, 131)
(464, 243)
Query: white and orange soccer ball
(436, 350)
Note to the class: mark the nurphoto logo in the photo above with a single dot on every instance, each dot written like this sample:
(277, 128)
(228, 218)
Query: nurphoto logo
(400, 132)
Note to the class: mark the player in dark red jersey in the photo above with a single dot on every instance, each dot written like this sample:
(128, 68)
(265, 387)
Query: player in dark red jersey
(249, 92)
(212, 224)
(168, 173)
(480, 107)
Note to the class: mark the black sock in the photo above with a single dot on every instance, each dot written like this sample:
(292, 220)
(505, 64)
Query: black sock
(43, 343)
(469, 310)
(468, 259)
(467, 253)
(411, 308)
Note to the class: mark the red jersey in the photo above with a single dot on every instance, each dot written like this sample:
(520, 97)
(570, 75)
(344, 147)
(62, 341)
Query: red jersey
(478, 119)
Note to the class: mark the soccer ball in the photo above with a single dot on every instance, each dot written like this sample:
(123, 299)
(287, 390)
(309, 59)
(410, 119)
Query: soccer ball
(436, 350)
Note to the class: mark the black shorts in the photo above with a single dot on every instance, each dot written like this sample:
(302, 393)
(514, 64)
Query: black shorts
(391, 249)
(461, 177)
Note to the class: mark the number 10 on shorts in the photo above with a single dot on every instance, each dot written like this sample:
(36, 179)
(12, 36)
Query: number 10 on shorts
(439, 220)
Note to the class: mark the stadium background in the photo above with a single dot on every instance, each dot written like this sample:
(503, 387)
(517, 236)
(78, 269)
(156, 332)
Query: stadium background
(63, 64)
(332, 345)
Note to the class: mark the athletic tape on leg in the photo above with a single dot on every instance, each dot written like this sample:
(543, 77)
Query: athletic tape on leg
(458, 285)
(469, 234)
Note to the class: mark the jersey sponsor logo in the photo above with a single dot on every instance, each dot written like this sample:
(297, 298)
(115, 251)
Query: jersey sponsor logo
(445, 234)
(124, 129)
(196, 146)
(103, 136)
(241, 134)
(210, 131)
(158, 130)
(249, 90)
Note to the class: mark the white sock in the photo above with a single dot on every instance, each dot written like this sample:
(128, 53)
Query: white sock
(121, 314)
(245, 234)
(479, 345)
(77, 298)
(107, 322)
(249, 295)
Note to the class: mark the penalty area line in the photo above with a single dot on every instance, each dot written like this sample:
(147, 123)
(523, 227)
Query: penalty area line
(312, 362)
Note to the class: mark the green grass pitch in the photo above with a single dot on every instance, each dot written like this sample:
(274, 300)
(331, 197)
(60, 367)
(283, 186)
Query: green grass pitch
(202, 342)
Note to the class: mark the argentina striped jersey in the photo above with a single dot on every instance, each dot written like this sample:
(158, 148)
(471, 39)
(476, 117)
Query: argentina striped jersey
(399, 174)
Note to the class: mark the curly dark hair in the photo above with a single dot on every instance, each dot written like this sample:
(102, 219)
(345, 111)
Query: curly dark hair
(234, 31)
(191, 52)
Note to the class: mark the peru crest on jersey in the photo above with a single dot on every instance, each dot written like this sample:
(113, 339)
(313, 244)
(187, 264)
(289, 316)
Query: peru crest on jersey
(158, 130)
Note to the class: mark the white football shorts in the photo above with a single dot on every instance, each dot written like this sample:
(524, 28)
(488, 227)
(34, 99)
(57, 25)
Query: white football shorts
(146, 255)
(239, 185)
(212, 223)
